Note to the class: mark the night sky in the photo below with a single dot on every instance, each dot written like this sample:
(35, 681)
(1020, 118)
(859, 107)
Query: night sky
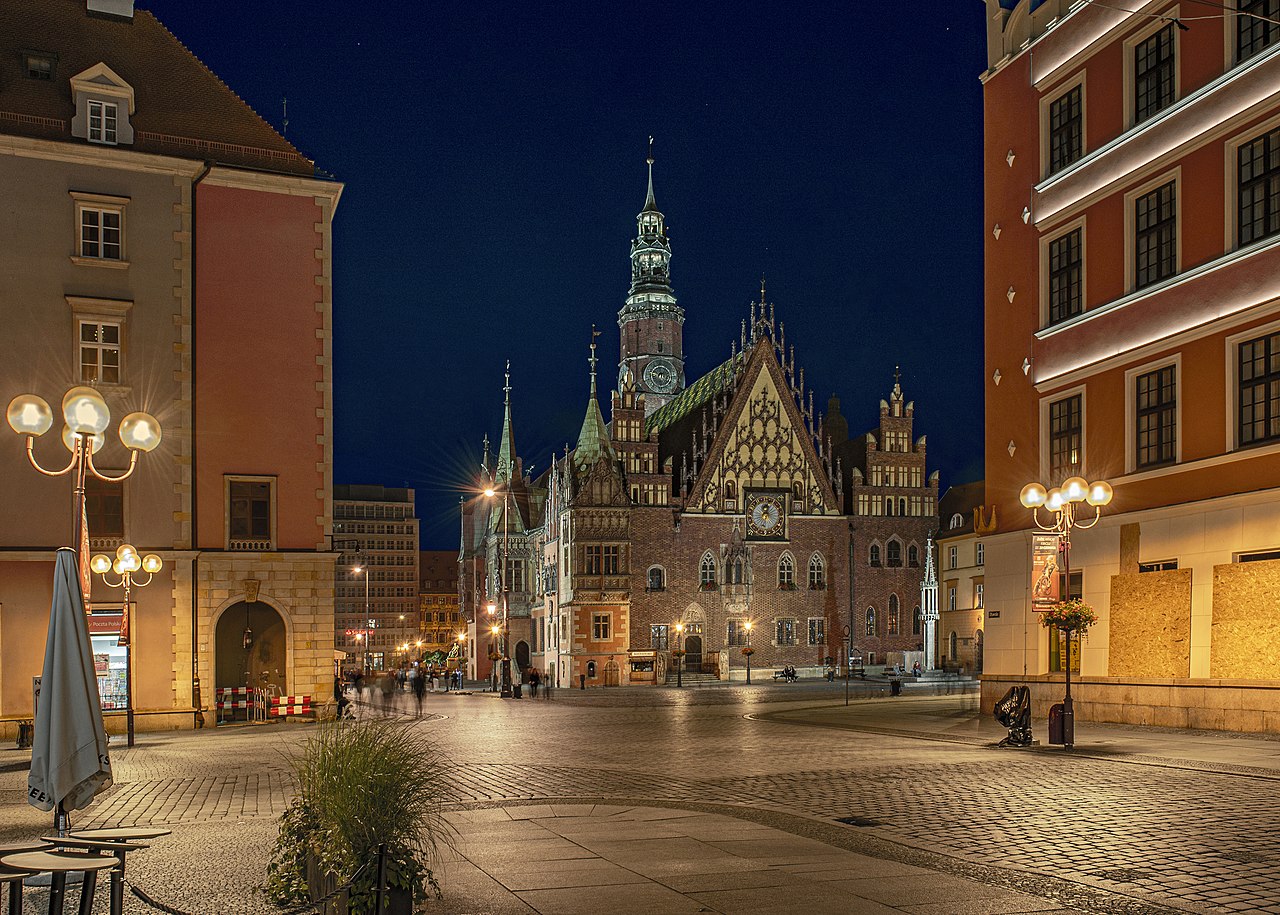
(493, 156)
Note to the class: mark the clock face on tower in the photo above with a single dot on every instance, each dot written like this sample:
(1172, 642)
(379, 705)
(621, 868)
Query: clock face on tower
(766, 514)
(660, 377)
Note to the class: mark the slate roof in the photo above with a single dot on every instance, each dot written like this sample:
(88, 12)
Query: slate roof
(693, 397)
(182, 108)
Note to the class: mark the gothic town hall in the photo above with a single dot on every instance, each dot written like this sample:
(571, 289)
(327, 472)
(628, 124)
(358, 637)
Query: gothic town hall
(704, 518)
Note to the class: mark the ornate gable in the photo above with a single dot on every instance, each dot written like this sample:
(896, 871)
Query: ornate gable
(762, 443)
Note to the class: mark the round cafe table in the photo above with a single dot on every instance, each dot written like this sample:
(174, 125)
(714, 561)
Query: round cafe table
(15, 875)
(119, 838)
(59, 864)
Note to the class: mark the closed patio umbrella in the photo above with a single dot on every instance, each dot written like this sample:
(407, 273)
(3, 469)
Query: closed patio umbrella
(69, 761)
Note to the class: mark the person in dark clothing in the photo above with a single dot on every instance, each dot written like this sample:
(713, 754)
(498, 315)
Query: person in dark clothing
(340, 697)
(534, 680)
(419, 689)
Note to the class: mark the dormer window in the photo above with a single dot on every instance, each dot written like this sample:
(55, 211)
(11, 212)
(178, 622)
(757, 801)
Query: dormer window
(102, 122)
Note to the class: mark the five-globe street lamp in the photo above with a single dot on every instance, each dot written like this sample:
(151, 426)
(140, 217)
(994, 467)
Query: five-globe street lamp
(125, 565)
(1062, 503)
(747, 626)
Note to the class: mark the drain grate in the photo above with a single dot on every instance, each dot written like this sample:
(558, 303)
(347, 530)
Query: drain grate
(858, 821)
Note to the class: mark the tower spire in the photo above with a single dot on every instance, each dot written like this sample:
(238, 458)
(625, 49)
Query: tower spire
(593, 438)
(506, 468)
(650, 205)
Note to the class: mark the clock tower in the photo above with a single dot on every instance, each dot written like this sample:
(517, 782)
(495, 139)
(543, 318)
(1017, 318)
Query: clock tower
(651, 323)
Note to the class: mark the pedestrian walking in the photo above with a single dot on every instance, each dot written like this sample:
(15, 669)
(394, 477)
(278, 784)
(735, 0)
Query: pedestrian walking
(419, 685)
(387, 685)
(534, 679)
(546, 684)
(340, 697)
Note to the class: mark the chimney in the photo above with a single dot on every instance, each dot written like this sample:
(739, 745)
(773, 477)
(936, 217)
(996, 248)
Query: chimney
(111, 9)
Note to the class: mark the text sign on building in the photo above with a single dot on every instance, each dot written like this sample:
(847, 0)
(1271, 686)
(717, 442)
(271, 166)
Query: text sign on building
(1044, 571)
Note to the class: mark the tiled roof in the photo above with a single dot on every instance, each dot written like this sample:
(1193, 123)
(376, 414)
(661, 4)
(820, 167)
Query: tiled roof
(692, 397)
(182, 108)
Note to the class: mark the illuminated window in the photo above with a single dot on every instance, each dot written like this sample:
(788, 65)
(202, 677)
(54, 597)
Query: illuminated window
(1258, 187)
(1066, 428)
(1066, 272)
(817, 573)
(786, 573)
(99, 352)
(785, 632)
(1153, 75)
(1066, 134)
(707, 572)
(869, 627)
(1257, 26)
(600, 626)
(1157, 417)
(660, 637)
(817, 631)
(1155, 243)
(979, 554)
(893, 617)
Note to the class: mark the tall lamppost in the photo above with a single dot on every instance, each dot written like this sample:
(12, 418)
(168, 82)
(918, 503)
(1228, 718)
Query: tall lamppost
(496, 630)
(679, 655)
(368, 623)
(747, 626)
(503, 576)
(125, 565)
(462, 659)
(1061, 502)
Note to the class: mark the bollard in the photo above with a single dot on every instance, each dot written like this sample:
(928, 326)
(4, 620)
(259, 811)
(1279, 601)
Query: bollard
(380, 889)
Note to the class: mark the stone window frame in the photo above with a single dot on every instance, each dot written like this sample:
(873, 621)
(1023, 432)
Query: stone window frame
(85, 201)
(913, 556)
(786, 572)
(708, 572)
(1131, 45)
(869, 622)
(99, 84)
(601, 625)
(88, 310)
(780, 638)
(889, 560)
(817, 572)
(662, 578)
(816, 631)
(893, 616)
(249, 544)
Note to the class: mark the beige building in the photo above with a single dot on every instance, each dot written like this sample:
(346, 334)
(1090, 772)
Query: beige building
(153, 219)
(962, 576)
(376, 609)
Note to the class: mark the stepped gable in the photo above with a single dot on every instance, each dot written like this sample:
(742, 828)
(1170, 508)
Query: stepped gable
(182, 108)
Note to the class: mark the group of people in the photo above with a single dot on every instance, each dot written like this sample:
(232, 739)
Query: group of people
(382, 685)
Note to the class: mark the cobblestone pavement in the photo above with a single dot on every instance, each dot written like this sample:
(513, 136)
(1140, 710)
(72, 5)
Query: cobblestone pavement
(1147, 822)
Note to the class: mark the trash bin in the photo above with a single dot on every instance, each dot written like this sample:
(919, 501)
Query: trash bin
(515, 690)
(1056, 724)
(582, 681)
(895, 687)
(26, 732)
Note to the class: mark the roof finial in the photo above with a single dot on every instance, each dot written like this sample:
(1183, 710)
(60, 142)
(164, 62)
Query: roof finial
(506, 385)
(649, 203)
(897, 377)
(762, 290)
(594, 333)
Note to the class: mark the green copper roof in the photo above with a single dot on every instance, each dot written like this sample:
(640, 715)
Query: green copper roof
(593, 439)
(692, 397)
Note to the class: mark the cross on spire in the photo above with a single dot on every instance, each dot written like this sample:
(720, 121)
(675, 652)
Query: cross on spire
(593, 360)
(506, 384)
(897, 375)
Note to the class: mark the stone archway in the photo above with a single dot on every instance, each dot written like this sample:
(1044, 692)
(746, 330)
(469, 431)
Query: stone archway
(265, 661)
(522, 660)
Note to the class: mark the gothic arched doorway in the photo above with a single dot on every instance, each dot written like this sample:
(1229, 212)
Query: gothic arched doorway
(693, 653)
(522, 659)
(250, 647)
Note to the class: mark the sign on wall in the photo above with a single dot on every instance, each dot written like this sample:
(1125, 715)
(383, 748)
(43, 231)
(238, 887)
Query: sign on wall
(1044, 571)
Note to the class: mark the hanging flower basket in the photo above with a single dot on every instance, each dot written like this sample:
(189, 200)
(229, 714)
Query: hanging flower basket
(748, 651)
(678, 653)
(707, 586)
(1070, 616)
(494, 656)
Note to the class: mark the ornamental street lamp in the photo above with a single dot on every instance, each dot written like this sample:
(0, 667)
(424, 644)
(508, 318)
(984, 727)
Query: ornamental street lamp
(747, 626)
(1062, 503)
(504, 577)
(495, 629)
(367, 573)
(126, 565)
(87, 417)
(679, 655)
(462, 659)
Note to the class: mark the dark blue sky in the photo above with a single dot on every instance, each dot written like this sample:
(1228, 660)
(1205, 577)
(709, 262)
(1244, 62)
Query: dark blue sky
(493, 156)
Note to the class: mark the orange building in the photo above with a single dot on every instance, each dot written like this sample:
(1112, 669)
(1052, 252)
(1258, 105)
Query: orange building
(1132, 299)
(171, 249)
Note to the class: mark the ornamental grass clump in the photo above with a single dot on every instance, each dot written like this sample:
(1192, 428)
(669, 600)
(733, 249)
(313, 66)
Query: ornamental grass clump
(362, 784)
(1073, 615)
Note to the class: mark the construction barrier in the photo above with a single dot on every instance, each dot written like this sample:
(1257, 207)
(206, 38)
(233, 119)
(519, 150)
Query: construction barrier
(232, 698)
(283, 706)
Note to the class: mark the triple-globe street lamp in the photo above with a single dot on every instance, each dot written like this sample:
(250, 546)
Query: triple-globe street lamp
(1062, 503)
(126, 565)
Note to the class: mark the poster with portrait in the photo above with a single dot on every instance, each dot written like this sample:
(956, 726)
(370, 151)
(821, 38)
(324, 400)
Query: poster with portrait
(1045, 577)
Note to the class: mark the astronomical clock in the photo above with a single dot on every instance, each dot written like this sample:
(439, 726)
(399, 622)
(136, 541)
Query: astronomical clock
(766, 514)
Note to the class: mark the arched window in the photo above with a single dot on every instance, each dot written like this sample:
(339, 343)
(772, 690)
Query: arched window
(957, 520)
(817, 573)
(913, 556)
(786, 573)
(891, 619)
(902, 507)
(875, 554)
(657, 578)
(736, 573)
(893, 557)
(797, 495)
(707, 572)
(951, 645)
(917, 621)
(888, 507)
(871, 621)
(730, 495)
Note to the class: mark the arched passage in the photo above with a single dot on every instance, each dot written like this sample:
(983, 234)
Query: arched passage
(251, 647)
(522, 660)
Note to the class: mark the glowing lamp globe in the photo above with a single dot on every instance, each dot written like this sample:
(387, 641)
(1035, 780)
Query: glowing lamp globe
(151, 563)
(489, 492)
(85, 411)
(1032, 495)
(118, 566)
(1075, 489)
(131, 563)
(96, 441)
(100, 563)
(140, 432)
(29, 415)
(124, 550)
(1100, 494)
(1055, 501)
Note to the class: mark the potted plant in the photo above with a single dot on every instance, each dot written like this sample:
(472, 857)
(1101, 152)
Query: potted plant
(1072, 615)
(361, 785)
(748, 651)
(678, 653)
(707, 586)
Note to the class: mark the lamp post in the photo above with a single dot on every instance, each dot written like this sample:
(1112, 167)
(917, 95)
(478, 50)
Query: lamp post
(125, 565)
(679, 655)
(86, 416)
(462, 659)
(495, 629)
(747, 626)
(503, 576)
(368, 623)
(1061, 502)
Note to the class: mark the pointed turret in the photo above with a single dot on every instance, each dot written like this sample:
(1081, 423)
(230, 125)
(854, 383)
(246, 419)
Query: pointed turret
(508, 463)
(650, 205)
(593, 439)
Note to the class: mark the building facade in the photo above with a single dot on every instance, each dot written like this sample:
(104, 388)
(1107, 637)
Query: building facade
(377, 612)
(174, 252)
(439, 616)
(1133, 335)
(962, 559)
(703, 519)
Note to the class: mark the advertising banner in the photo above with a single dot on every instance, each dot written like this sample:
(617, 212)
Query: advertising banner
(1045, 580)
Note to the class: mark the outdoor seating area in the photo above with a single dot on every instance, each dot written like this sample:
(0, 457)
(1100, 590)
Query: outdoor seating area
(54, 861)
